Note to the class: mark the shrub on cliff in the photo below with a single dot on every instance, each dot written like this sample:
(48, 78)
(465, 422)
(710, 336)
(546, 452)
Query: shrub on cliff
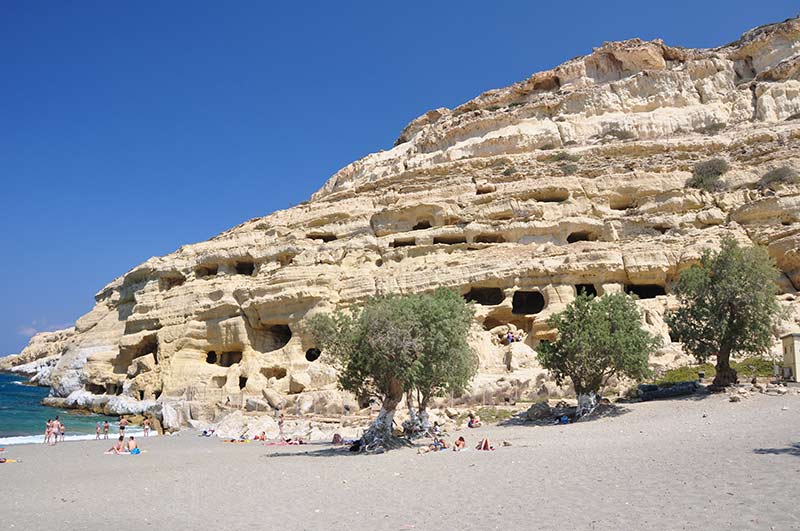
(706, 175)
(598, 337)
(396, 345)
(728, 306)
(781, 175)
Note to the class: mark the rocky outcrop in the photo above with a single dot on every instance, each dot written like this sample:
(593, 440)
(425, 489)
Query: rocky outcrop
(574, 179)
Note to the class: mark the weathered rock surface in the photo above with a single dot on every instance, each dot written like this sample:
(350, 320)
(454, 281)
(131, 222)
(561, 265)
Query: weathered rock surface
(575, 178)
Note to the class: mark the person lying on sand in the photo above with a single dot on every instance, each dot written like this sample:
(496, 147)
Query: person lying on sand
(459, 444)
(436, 446)
(484, 445)
(119, 446)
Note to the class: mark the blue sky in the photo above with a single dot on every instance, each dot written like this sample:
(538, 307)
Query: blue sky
(130, 128)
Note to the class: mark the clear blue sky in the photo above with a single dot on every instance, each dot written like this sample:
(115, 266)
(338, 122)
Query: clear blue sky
(130, 128)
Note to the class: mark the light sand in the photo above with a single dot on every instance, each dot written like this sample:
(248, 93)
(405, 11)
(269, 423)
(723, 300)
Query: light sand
(681, 464)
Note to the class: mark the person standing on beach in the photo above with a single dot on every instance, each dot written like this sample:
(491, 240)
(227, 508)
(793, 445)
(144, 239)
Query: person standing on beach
(146, 427)
(63, 431)
(105, 430)
(48, 430)
(55, 428)
(123, 422)
(97, 431)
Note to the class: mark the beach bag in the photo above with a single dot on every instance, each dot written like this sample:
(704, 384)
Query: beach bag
(135, 451)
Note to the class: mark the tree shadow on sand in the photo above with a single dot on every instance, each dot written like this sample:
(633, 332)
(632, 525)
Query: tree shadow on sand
(792, 449)
(330, 450)
(603, 411)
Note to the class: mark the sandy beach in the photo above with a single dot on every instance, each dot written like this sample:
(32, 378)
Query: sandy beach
(681, 464)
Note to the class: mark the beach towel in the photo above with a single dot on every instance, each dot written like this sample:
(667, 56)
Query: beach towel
(3, 460)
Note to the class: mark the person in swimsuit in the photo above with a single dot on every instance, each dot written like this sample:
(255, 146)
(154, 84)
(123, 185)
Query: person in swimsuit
(119, 446)
(459, 444)
(105, 430)
(97, 431)
(55, 428)
(123, 422)
(63, 430)
(48, 431)
(146, 427)
(132, 446)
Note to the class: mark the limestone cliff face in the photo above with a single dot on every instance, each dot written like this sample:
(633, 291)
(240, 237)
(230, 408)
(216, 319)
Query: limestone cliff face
(572, 179)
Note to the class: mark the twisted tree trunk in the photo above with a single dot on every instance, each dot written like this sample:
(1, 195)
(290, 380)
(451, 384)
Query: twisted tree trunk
(726, 375)
(379, 435)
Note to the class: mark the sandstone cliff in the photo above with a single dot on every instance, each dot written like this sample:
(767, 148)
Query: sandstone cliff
(575, 178)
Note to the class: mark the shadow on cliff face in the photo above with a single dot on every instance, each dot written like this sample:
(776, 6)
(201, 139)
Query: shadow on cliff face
(792, 449)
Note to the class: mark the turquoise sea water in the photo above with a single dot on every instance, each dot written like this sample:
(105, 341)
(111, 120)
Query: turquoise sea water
(22, 417)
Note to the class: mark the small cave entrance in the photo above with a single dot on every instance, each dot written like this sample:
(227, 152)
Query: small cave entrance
(454, 239)
(227, 359)
(404, 242)
(141, 394)
(491, 322)
(645, 291)
(219, 381)
(322, 236)
(206, 271)
(273, 372)
(421, 225)
(156, 394)
(95, 389)
(489, 238)
(148, 345)
(485, 296)
(113, 389)
(211, 357)
(313, 354)
(245, 268)
(527, 302)
(581, 236)
(166, 283)
(588, 289)
(242, 382)
(279, 336)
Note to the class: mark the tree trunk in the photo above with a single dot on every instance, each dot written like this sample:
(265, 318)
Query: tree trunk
(726, 375)
(418, 422)
(378, 436)
(587, 402)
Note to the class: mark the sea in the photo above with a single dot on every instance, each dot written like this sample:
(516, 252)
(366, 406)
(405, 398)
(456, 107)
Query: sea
(23, 417)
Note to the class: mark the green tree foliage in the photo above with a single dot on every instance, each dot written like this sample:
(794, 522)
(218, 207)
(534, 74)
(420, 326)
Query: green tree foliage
(728, 306)
(598, 337)
(395, 344)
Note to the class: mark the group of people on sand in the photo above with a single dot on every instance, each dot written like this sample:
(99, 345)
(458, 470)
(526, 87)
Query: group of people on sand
(53, 431)
(440, 443)
(123, 423)
(121, 447)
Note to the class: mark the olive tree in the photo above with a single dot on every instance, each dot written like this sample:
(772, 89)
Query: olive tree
(598, 337)
(396, 345)
(727, 306)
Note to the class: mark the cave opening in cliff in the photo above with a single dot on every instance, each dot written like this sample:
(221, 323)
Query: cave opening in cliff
(422, 225)
(242, 382)
(453, 239)
(211, 357)
(279, 335)
(141, 394)
(581, 236)
(273, 372)
(404, 242)
(645, 291)
(206, 271)
(113, 389)
(491, 322)
(485, 296)
(171, 281)
(95, 389)
(322, 236)
(219, 381)
(245, 268)
(527, 302)
(127, 354)
(588, 289)
(313, 354)
(490, 238)
(156, 394)
(226, 359)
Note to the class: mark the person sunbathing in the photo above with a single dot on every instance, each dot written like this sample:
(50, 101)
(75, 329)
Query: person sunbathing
(484, 445)
(459, 444)
(474, 421)
(133, 447)
(119, 446)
